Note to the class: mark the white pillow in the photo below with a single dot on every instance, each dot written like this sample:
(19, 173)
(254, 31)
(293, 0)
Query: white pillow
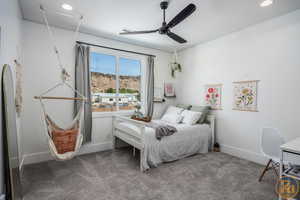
(174, 110)
(172, 118)
(173, 115)
(190, 117)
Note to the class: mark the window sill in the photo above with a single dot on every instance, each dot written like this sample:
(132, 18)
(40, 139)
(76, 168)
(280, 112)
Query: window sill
(96, 115)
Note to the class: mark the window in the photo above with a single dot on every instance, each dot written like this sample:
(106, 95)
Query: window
(116, 81)
(103, 82)
(129, 83)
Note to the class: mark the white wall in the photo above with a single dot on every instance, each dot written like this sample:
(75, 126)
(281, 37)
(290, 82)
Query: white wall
(10, 23)
(42, 72)
(268, 52)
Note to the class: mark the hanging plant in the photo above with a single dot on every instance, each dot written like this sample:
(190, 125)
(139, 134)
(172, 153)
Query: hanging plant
(175, 66)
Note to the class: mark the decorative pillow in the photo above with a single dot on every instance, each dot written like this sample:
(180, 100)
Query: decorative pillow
(184, 106)
(173, 115)
(204, 110)
(174, 110)
(191, 117)
(172, 118)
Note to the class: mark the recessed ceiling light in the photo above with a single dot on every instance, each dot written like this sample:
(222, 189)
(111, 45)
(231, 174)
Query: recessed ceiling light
(266, 3)
(67, 6)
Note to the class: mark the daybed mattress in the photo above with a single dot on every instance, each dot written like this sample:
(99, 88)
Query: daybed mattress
(188, 140)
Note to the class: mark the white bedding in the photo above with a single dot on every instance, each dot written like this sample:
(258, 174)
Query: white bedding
(188, 140)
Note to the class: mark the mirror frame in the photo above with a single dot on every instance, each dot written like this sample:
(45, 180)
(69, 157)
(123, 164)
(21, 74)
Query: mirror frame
(11, 164)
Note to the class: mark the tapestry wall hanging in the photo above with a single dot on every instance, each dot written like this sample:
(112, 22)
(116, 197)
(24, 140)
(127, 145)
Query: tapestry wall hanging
(245, 95)
(213, 96)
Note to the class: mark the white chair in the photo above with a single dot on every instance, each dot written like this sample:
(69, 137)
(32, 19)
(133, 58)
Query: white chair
(271, 140)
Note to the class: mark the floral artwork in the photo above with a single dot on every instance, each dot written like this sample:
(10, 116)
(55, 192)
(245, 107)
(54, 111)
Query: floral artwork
(213, 96)
(169, 90)
(245, 96)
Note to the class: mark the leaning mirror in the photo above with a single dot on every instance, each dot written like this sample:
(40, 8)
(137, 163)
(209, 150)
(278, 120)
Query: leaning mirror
(10, 137)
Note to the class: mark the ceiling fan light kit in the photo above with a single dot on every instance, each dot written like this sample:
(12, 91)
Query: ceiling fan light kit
(266, 3)
(165, 29)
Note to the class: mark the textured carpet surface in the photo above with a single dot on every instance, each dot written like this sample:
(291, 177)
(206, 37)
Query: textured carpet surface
(116, 176)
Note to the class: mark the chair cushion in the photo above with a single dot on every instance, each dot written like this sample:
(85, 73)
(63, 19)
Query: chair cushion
(65, 140)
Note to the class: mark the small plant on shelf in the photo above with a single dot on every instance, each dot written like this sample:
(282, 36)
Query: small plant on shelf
(137, 112)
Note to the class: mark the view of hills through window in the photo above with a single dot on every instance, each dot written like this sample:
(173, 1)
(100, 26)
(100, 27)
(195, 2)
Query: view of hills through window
(104, 86)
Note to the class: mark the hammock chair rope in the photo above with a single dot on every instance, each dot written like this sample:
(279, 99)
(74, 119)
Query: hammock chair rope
(50, 125)
(65, 74)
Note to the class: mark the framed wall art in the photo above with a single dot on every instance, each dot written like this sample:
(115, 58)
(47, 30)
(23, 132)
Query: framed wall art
(169, 90)
(245, 95)
(213, 96)
(158, 95)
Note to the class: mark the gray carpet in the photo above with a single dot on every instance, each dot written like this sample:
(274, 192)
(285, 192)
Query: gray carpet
(116, 176)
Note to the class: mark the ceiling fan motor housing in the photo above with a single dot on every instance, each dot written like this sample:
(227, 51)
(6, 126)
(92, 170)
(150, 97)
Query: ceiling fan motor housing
(164, 29)
(164, 5)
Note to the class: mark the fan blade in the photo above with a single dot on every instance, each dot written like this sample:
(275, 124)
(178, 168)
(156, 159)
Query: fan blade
(182, 15)
(176, 37)
(127, 32)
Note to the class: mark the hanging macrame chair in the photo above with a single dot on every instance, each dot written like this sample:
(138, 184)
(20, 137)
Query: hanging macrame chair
(64, 143)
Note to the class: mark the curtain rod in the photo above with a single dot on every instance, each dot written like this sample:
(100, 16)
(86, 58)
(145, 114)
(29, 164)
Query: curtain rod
(95, 45)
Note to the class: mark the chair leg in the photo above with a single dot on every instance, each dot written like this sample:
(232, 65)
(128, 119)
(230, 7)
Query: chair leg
(265, 170)
(275, 167)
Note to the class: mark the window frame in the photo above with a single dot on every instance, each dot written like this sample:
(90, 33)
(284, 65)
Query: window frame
(119, 54)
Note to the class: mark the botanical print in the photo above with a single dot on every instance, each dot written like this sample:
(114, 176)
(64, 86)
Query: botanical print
(213, 95)
(245, 96)
(169, 90)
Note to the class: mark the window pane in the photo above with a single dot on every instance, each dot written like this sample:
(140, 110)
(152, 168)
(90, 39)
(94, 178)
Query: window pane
(129, 83)
(103, 82)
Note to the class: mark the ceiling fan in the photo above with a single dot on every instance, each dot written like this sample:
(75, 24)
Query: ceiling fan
(165, 29)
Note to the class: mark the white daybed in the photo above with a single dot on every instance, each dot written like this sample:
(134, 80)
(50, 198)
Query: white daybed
(188, 140)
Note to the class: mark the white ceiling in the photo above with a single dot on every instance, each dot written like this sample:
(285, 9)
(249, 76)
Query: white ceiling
(106, 18)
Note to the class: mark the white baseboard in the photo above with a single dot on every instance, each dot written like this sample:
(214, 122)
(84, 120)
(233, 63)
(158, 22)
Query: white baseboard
(92, 148)
(45, 156)
(244, 154)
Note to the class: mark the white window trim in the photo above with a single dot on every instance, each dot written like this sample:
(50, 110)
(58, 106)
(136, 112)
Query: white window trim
(118, 55)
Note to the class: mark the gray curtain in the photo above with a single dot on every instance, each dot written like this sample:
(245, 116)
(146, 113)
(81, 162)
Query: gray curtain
(82, 84)
(150, 87)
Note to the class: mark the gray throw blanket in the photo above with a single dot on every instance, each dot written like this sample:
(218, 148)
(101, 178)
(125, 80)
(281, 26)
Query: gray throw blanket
(162, 130)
